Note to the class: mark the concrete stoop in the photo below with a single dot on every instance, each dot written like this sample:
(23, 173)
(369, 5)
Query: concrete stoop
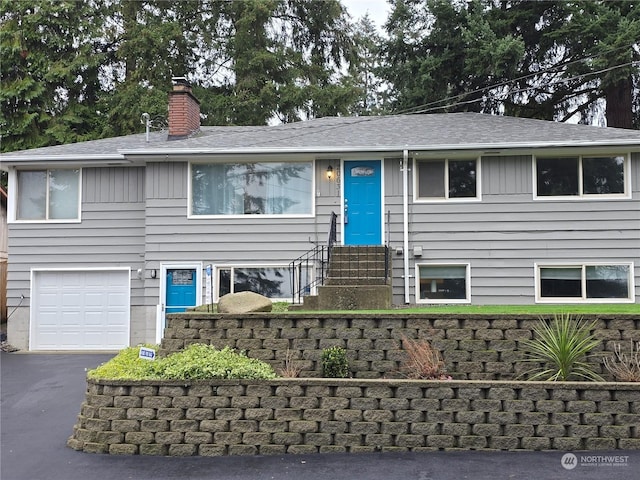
(356, 281)
(353, 297)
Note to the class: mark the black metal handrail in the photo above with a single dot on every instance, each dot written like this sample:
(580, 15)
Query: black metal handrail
(332, 231)
(310, 269)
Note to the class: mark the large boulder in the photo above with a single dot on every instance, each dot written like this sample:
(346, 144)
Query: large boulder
(244, 302)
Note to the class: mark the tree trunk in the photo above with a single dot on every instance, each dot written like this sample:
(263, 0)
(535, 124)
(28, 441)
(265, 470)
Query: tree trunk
(619, 98)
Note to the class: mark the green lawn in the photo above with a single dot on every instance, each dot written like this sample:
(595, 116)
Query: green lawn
(584, 308)
(600, 308)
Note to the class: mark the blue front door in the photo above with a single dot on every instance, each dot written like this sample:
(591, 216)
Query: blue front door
(181, 289)
(362, 203)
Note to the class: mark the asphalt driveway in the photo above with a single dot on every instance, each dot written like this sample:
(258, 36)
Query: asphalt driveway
(41, 396)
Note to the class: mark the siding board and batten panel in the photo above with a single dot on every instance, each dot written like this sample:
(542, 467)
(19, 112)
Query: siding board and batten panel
(113, 185)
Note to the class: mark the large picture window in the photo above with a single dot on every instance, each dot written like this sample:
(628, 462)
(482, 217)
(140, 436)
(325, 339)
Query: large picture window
(48, 195)
(447, 179)
(579, 176)
(268, 188)
(443, 283)
(584, 282)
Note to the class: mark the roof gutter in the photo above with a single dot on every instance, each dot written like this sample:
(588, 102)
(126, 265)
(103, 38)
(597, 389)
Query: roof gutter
(491, 148)
(115, 159)
(125, 156)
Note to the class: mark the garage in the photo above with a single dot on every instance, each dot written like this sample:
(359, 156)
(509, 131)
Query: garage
(80, 309)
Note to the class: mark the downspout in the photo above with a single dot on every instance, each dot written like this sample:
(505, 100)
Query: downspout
(405, 224)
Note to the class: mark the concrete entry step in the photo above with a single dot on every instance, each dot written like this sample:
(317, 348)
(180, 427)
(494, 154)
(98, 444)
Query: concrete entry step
(354, 297)
(357, 279)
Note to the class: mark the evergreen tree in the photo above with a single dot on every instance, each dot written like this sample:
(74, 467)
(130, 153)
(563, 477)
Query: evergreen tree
(365, 67)
(544, 59)
(146, 44)
(77, 70)
(449, 56)
(49, 72)
(284, 58)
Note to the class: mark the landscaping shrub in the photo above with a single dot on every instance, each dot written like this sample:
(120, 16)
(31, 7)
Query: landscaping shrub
(334, 363)
(196, 362)
(561, 347)
(625, 367)
(126, 365)
(200, 362)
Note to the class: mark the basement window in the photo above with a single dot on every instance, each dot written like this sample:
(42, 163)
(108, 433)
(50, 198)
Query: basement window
(443, 283)
(587, 282)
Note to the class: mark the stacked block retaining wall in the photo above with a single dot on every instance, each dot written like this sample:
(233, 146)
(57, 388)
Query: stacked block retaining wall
(476, 347)
(241, 417)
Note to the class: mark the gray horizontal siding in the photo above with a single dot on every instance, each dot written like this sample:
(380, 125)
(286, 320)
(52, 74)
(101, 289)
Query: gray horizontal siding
(138, 218)
(506, 233)
(109, 235)
(268, 240)
(171, 236)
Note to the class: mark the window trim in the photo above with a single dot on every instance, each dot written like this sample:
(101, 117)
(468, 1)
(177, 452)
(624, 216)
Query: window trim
(12, 203)
(626, 170)
(447, 199)
(250, 217)
(467, 298)
(233, 266)
(583, 298)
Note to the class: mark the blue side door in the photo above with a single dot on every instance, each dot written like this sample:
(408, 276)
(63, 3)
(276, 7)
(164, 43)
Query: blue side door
(180, 289)
(362, 202)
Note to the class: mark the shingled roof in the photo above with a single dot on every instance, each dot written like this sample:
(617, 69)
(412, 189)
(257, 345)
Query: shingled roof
(457, 131)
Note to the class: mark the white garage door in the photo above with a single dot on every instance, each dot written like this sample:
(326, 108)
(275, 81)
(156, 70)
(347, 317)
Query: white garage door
(80, 310)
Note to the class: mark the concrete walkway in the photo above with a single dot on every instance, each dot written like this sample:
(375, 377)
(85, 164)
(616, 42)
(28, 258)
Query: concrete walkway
(41, 397)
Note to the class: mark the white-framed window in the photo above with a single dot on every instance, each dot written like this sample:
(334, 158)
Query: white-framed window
(447, 179)
(251, 188)
(272, 281)
(47, 195)
(443, 283)
(587, 282)
(581, 176)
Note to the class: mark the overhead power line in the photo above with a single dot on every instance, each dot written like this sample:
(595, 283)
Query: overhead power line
(416, 110)
(425, 107)
(420, 109)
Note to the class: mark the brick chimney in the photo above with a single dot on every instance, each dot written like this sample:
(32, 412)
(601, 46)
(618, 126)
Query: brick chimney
(184, 110)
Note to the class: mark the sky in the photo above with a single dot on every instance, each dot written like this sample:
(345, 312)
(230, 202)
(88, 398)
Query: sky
(378, 10)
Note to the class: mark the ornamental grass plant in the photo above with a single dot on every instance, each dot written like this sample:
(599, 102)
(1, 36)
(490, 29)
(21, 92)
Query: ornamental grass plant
(422, 361)
(291, 368)
(561, 347)
(624, 366)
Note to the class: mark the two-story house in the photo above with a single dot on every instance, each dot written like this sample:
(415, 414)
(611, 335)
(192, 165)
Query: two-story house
(106, 236)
